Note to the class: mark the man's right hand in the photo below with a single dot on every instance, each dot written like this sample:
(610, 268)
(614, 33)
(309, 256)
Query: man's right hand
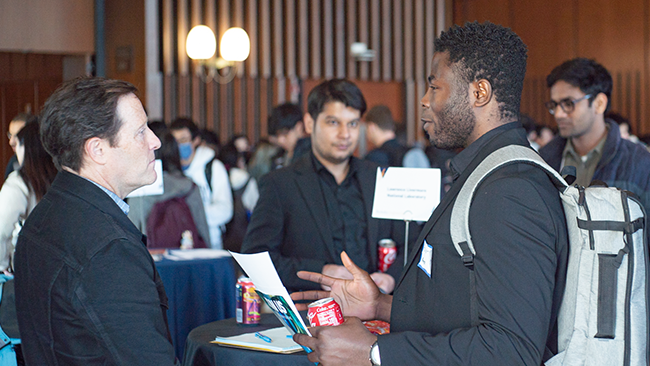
(358, 297)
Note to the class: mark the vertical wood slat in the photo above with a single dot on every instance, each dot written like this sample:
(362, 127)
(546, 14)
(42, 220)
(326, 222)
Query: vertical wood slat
(340, 40)
(265, 39)
(303, 36)
(386, 49)
(362, 20)
(290, 37)
(363, 35)
(418, 14)
(251, 28)
(197, 97)
(430, 23)
(408, 40)
(397, 41)
(352, 37)
(328, 42)
(315, 39)
(375, 39)
(278, 59)
(168, 59)
(239, 86)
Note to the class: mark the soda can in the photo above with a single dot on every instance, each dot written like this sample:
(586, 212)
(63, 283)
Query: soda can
(248, 302)
(324, 312)
(387, 254)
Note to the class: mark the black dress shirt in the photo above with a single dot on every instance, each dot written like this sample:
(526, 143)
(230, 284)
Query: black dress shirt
(345, 212)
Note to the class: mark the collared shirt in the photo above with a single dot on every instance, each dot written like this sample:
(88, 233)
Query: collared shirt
(345, 212)
(460, 162)
(120, 202)
(585, 165)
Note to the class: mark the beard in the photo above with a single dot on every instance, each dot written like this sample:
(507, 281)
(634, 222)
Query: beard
(454, 124)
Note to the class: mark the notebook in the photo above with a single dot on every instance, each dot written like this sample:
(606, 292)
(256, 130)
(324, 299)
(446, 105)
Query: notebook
(281, 341)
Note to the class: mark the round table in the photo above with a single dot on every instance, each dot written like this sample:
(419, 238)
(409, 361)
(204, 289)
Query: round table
(200, 352)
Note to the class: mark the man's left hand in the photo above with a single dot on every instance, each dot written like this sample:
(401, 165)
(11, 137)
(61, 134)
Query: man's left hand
(346, 344)
(384, 281)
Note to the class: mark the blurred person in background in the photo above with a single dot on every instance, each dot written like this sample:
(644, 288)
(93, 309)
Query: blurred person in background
(287, 128)
(175, 185)
(23, 188)
(16, 125)
(200, 164)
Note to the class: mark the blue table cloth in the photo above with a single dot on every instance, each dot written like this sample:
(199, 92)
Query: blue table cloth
(200, 291)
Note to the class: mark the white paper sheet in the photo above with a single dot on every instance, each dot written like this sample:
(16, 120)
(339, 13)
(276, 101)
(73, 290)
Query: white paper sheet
(406, 193)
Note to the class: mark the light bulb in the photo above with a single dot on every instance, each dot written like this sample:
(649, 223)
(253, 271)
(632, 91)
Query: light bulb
(235, 45)
(201, 43)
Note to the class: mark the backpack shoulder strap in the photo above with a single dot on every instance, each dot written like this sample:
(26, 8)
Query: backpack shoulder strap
(459, 223)
(512, 154)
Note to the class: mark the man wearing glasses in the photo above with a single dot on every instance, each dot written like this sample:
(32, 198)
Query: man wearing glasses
(580, 96)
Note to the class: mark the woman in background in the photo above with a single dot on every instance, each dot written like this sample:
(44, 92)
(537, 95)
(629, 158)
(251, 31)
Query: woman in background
(23, 188)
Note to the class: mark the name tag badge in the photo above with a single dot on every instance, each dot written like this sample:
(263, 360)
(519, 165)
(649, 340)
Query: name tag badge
(425, 258)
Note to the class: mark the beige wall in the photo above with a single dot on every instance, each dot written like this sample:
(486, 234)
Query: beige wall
(47, 26)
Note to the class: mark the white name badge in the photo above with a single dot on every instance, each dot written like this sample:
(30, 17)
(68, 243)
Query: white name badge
(425, 258)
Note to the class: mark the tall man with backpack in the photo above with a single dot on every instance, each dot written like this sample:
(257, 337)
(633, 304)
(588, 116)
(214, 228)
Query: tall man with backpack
(437, 315)
(199, 164)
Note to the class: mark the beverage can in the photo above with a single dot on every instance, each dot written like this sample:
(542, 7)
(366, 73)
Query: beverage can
(324, 312)
(387, 254)
(248, 302)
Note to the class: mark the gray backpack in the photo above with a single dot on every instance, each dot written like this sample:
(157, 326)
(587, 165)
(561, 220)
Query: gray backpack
(603, 317)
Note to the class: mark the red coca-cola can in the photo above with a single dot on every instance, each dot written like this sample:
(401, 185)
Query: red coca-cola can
(387, 254)
(324, 312)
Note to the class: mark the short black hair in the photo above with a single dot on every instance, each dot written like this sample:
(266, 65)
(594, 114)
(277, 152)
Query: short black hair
(588, 75)
(335, 90)
(184, 122)
(284, 117)
(81, 109)
(491, 52)
(382, 117)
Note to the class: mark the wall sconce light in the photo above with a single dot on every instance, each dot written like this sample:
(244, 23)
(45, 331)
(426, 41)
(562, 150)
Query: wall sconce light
(201, 45)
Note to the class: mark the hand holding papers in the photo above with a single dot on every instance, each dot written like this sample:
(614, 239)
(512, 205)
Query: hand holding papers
(262, 272)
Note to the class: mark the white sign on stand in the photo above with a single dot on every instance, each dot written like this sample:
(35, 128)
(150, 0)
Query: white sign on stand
(406, 193)
(156, 187)
(409, 194)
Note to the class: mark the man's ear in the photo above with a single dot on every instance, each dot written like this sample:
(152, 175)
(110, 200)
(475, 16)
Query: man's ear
(309, 123)
(600, 103)
(482, 92)
(95, 149)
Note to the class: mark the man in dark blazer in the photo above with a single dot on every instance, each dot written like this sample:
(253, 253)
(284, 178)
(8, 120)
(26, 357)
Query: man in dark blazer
(321, 205)
(87, 290)
(516, 221)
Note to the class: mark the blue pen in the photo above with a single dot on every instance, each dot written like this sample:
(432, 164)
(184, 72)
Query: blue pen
(263, 337)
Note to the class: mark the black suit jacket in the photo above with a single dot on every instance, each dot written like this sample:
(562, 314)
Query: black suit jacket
(518, 228)
(87, 290)
(290, 222)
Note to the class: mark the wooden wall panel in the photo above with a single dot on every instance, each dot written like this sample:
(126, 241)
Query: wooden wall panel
(295, 44)
(613, 32)
(26, 81)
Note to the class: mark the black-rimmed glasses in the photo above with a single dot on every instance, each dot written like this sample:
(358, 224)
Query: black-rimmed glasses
(567, 105)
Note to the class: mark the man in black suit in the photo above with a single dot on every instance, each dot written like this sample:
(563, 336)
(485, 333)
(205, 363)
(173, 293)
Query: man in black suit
(321, 205)
(87, 290)
(516, 221)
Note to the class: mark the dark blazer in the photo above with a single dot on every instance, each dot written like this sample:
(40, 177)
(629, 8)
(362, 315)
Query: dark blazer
(87, 290)
(391, 153)
(290, 222)
(519, 231)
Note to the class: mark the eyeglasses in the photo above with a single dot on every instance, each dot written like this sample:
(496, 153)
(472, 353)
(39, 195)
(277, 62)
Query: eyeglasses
(567, 105)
